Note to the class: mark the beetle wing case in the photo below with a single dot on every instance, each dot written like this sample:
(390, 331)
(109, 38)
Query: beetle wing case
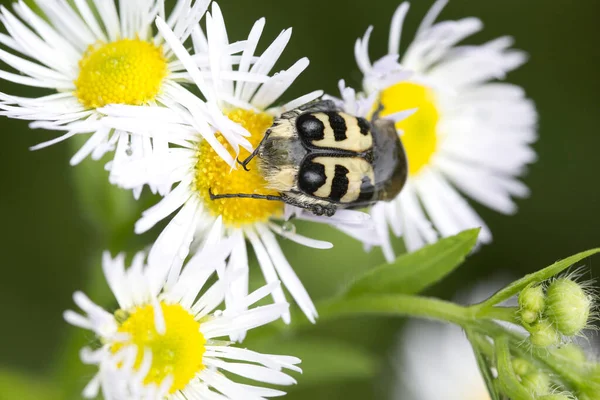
(389, 160)
(319, 158)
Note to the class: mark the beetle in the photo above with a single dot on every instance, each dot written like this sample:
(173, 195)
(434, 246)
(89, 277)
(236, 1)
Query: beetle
(322, 159)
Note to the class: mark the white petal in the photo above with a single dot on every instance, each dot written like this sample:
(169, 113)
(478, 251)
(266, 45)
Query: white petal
(287, 274)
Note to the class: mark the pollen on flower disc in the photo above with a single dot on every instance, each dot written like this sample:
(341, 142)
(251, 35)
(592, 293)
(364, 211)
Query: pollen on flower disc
(177, 353)
(127, 71)
(420, 138)
(212, 173)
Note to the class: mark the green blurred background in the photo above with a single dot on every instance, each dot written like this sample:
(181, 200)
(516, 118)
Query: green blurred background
(51, 237)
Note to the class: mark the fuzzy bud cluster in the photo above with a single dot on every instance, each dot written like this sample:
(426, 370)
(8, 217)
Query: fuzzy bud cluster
(560, 310)
(535, 381)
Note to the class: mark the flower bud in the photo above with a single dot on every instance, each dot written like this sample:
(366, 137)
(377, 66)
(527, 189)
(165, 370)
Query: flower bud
(532, 298)
(543, 334)
(567, 306)
(528, 316)
(521, 366)
(531, 304)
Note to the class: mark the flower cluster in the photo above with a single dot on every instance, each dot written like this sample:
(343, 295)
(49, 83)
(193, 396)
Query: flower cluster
(492, 359)
(179, 106)
(561, 310)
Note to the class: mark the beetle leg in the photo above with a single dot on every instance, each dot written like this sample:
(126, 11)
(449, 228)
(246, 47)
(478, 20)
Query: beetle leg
(317, 209)
(330, 211)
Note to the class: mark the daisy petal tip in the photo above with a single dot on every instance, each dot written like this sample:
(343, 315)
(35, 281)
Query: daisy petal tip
(78, 295)
(141, 226)
(512, 209)
(75, 160)
(68, 315)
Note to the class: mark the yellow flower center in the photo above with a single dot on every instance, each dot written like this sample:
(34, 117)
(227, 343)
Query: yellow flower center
(215, 174)
(420, 133)
(128, 71)
(177, 353)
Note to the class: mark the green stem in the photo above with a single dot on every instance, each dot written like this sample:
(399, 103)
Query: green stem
(485, 355)
(508, 379)
(507, 314)
(398, 305)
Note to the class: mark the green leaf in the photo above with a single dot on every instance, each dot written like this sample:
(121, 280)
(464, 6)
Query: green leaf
(15, 385)
(414, 272)
(484, 364)
(535, 277)
(324, 360)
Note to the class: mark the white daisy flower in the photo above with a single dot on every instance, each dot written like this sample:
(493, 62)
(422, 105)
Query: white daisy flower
(163, 342)
(91, 54)
(471, 134)
(196, 165)
(436, 360)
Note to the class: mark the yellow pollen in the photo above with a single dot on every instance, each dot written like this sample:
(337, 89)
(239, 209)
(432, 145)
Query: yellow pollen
(128, 71)
(177, 353)
(420, 129)
(214, 173)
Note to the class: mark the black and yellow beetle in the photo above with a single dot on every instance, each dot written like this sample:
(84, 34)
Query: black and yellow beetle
(321, 159)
